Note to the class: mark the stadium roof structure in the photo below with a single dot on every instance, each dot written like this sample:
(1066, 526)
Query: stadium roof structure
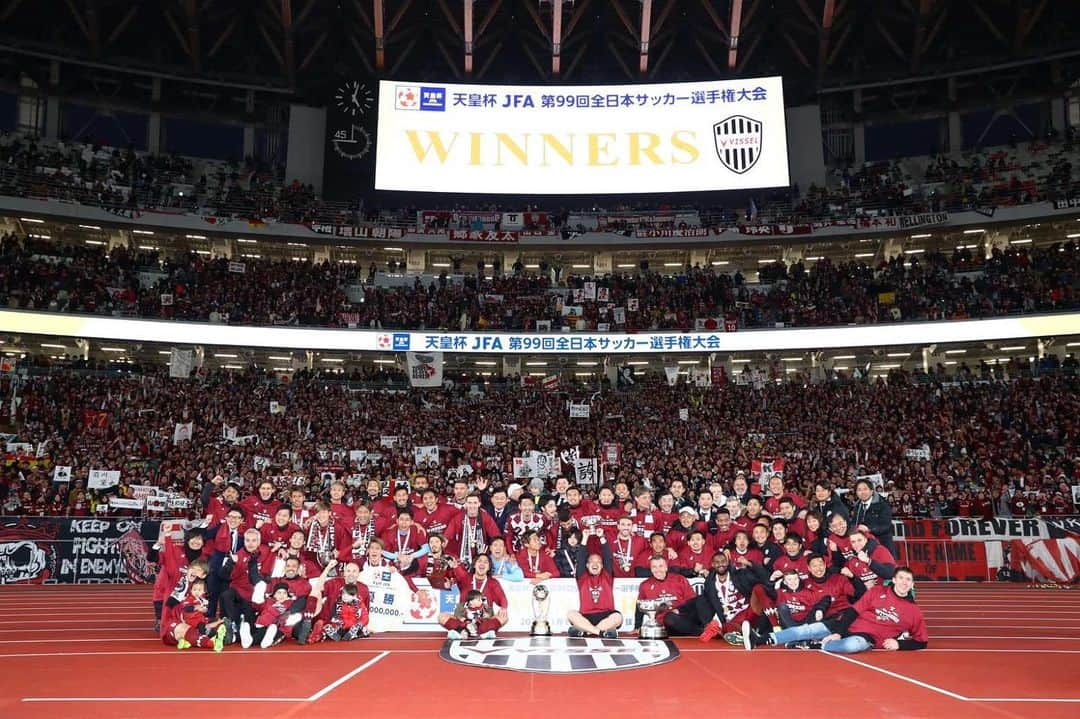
(899, 57)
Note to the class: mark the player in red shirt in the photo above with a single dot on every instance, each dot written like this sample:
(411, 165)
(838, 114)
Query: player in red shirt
(792, 558)
(468, 534)
(870, 565)
(695, 558)
(173, 560)
(535, 563)
(609, 510)
(596, 615)
(326, 537)
(796, 602)
(172, 628)
(884, 618)
(261, 506)
(647, 518)
(835, 586)
(275, 534)
(343, 513)
(433, 515)
(777, 493)
(742, 554)
(657, 546)
(672, 589)
(680, 531)
(404, 539)
(479, 579)
(578, 506)
(627, 546)
(524, 520)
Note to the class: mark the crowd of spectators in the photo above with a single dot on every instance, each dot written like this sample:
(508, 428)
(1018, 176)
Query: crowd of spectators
(1002, 448)
(43, 275)
(121, 179)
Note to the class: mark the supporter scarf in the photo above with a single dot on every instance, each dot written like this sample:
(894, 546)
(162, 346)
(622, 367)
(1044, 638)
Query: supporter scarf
(472, 539)
(321, 541)
(624, 557)
(365, 534)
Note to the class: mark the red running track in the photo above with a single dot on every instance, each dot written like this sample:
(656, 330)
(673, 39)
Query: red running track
(86, 651)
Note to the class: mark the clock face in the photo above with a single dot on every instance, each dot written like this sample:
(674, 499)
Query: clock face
(354, 97)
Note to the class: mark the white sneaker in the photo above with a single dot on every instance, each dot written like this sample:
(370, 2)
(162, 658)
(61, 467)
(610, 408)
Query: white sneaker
(746, 642)
(268, 638)
(489, 634)
(258, 593)
(293, 619)
(246, 639)
(453, 634)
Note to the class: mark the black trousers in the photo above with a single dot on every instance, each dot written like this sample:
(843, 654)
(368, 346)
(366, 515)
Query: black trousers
(236, 607)
(687, 622)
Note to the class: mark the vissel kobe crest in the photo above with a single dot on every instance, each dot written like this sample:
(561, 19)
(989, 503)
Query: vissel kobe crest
(738, 142)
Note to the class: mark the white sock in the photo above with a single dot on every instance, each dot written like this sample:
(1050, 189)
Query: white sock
(258, 593)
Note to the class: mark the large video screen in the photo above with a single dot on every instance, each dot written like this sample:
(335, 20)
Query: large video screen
(596, 139)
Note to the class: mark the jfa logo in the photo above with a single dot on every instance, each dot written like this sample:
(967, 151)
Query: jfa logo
(401, 341)
(433, 98)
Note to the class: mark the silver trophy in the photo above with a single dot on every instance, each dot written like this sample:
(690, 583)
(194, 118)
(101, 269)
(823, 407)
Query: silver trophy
(541, 605)
(650, 628)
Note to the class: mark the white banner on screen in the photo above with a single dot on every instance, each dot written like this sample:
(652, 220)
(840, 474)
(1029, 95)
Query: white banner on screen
(610, 139)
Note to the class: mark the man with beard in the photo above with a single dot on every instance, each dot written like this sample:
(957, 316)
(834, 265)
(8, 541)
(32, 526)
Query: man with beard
(435, 565)
(173, 560)
(596, 615)
(884, 618)
(579, 507)
(627, 547)
(469, 533)
(301, 514)
(387, 509)
(730, 597)
(241, 610)
(237, 572)
(261, 506)
(329, 596)
(217, 508)
(680, 531)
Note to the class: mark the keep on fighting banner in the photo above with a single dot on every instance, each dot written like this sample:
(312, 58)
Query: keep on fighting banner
(555, 140)
(61, 550)
(205, 333)
(969, 549)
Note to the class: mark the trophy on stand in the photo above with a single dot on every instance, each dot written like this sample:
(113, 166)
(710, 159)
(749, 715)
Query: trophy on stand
(541, 605)
(650, 628)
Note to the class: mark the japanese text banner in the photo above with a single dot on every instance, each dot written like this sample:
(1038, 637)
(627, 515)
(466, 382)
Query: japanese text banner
(608, 139)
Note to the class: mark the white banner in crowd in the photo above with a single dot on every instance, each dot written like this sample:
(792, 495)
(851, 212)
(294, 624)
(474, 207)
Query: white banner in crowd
(425, 368)
(918, 453)
(426, 454)
(641, 343)
(487, 440)
(521, 139)
(180, 363)
(124, 503)
(61, 473)
(394, 607)
(182, 432)
(672, 374)
(102, 478)
(585, 471)
(579, 411)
